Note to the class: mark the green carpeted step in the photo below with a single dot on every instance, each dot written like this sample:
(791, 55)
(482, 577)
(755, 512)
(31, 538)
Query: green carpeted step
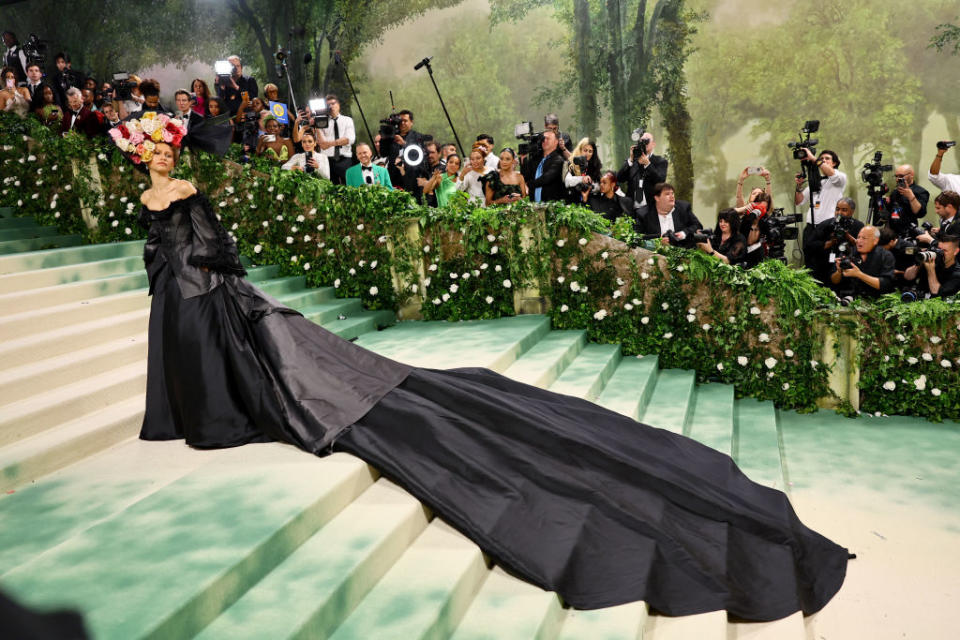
(495, 344)
(589, 371)
(757, 448)
(70, 255)
(625, 622)
(325, 312)
(170, 563)
(671, 405)
(22, 233)
(629, 389)
(425, 594)
(37, 244)
(306, 297)
(20, 301)
(317, 586)
(543, 363)
(67, 274)
(6, 212)
(360, 323)
(712, 422)
(17, 222)
(507, 607)
(282, 286)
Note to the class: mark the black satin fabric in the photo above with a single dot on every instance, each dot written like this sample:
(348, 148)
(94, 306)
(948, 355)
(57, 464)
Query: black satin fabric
(595, 506)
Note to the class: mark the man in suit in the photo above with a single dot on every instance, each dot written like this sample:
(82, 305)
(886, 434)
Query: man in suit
(669, 214)
(545, 179)
(366, 172)
(78, 117)
(640, 176)
(183, 111)
(35, 85)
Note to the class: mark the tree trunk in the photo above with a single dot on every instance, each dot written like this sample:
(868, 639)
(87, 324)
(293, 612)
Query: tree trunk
(619, 108)
(587, 113)
(678, 123)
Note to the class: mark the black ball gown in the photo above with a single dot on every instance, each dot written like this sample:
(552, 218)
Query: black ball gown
(572, 497)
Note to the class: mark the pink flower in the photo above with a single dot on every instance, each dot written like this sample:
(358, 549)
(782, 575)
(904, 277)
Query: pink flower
(115, 134)
(136, 138)
(167, 136)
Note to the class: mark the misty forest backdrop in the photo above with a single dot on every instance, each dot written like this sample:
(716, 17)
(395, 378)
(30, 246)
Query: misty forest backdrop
(723, 84)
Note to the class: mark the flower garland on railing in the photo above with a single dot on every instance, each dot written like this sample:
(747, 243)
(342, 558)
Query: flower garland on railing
(761, 330)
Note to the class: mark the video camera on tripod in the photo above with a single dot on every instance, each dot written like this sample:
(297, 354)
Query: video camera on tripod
(532, 140)
(412, 154)
(872, 174)
(35, 49)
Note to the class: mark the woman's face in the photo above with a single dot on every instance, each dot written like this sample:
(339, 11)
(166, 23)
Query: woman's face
(7, 76)
(724, 226)
(272, 94)
(90, 84)
(453, 165)
(197, 87)
(588, 152)
(476, 161)
(214, 108)
(309, 144)
(162, 160)
(506, 160)
(257, 104)
(272, 127)
(47, 95)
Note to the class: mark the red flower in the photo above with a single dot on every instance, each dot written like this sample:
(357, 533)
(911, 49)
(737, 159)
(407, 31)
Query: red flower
(176, 139)
(124, 131)
(135, 158)
(172, 128)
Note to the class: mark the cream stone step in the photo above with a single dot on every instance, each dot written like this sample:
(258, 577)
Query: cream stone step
(57, 342)
(543, 363)
(613, 623)
(26, 460)
(51, 258)
(704, 626)
(425, 594)
(586, 376)
(629, 389)
(66, 274)
(17, 325)
(789, 628)
(318, 585)
(20, 301)
(39, 412)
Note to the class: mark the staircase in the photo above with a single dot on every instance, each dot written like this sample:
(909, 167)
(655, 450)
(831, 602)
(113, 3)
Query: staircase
(265, 541)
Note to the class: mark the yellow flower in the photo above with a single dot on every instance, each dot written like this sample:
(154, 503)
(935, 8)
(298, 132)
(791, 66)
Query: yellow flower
(149, 115)
(147, 155)
(157, 135)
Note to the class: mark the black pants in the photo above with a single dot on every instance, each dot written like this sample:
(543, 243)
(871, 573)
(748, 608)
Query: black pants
(338, 169)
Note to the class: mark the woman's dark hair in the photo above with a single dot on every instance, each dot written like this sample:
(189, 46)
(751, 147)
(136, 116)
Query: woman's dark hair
(205, 94)
(513, 154)
(308, 132)
(593, 166)
(4, 71)
(731, 217)
(453, 155)
(765, 197)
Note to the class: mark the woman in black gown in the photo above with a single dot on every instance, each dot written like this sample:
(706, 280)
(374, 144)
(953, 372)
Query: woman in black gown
(569, 496)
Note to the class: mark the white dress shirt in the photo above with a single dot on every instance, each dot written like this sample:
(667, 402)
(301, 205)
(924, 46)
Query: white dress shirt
(472, 185)
(346, 130)
(300, 160)
(666, 222)
(825, 202)
(945, 181)
(492, 161)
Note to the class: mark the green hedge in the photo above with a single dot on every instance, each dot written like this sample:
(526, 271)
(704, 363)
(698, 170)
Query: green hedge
(761, 330)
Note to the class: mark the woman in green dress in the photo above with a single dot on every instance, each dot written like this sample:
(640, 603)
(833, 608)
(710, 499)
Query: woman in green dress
(446, 183)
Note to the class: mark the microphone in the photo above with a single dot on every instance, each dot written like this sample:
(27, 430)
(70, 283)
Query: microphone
(426, 60)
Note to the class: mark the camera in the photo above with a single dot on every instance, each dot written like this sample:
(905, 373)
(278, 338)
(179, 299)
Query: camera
(123, 85)
(943, 145)
(846, 263)
(35, 49)
(640, 144)
(531, 139)
(927, 255)
(841, 227)
(702, 235)
(911, 294)
(223, 69)
(873, 172)
(319, 114)
(806, 142)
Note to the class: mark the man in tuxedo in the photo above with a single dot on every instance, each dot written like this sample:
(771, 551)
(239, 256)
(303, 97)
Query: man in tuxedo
(337, 140)
(640, 176)
(366, 172)
(35, 85)
(668, 214)
(183, 111)
(14, 57)
(78, 117)
(110, 117)
(545, 179)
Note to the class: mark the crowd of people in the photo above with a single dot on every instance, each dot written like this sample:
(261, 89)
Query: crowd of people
(897, 250)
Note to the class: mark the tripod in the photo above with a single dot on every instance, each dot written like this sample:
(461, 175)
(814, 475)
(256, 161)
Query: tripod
(426, 63)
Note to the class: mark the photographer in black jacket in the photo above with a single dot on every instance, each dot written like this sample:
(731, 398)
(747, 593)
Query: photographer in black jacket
(545, 179)
(607, 203)
(869, 272)
(939, 275)
(230, 89)
(836, 236)
(908, 201)
(642, 171)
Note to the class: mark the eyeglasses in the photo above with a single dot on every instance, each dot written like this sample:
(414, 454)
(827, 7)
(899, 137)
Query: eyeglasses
(900, 175)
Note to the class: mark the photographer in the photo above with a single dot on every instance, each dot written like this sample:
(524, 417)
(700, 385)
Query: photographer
(943, 181)
(642, 171)
(582, 170)
(607, 203)
(309, 161)
(946, 205)
(902, 261)
(14, 57)
(233, 88)
(753, 224)
(831, 237)
(492, 160)
(831, 188)
(400, 174)
(746, 173)
(869, 272)
(731, 246)
(150, 91)
(63, 79)
(908, 202)
(940, 273)
(337, 139)
(668, 217)
(545, 179)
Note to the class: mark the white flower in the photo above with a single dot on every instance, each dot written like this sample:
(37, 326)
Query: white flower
(889, 385)
(465, 276)
(719, 366)
(574, 267)
(484, 266)
(705, 326)
(270, 189)
(280, 197)
(494, 249)
(454, 288)
(680, 268)
(306, 266)
(414, 288)
(249, 196)
(265, 224)
(617, 294)
(374, 291)
(427, 282)
(426, 249)
(330, 252)
(31, 158)
(373, 265)
(763, 337)
(56, 214)
(307, 238)
(491, 237)
(258, 248)
(35, 196)
(644, 320)
(796, 313)
(454, 276)
(786, 385)
(604, 255)
(644, 275)
(336, 283)
(123, 200)
(742, 361)
(668, 335)
(582, 242)
(507, 284)
(636, 302)
(289, 240)
(920, 383)
(770, 362)
(788, 353)
(574, 286)
(320, 227)
(564, 308)
(946, 364)
(475, 272)
(497, 268)
(912, 360)
(445, 297)
(436, 301)
(321, 245)
(560, 242)
(360, 227)
(293, 258)
(755, 310)
(600, 315)
(279, 218)
(128, 231)
(234, 226)
(935, 391)
(628, 306)
(115, 223)
(346, 239)
(927, 357)
(769, 374)
(620, 282)
(361, 263)
(901, 337)
(69, 187)
(432, 267)
(489, 299)
(665, 306)
(352, 271)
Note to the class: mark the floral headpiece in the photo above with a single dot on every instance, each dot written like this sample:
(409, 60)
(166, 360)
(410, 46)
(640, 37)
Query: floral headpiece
(139, 138)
